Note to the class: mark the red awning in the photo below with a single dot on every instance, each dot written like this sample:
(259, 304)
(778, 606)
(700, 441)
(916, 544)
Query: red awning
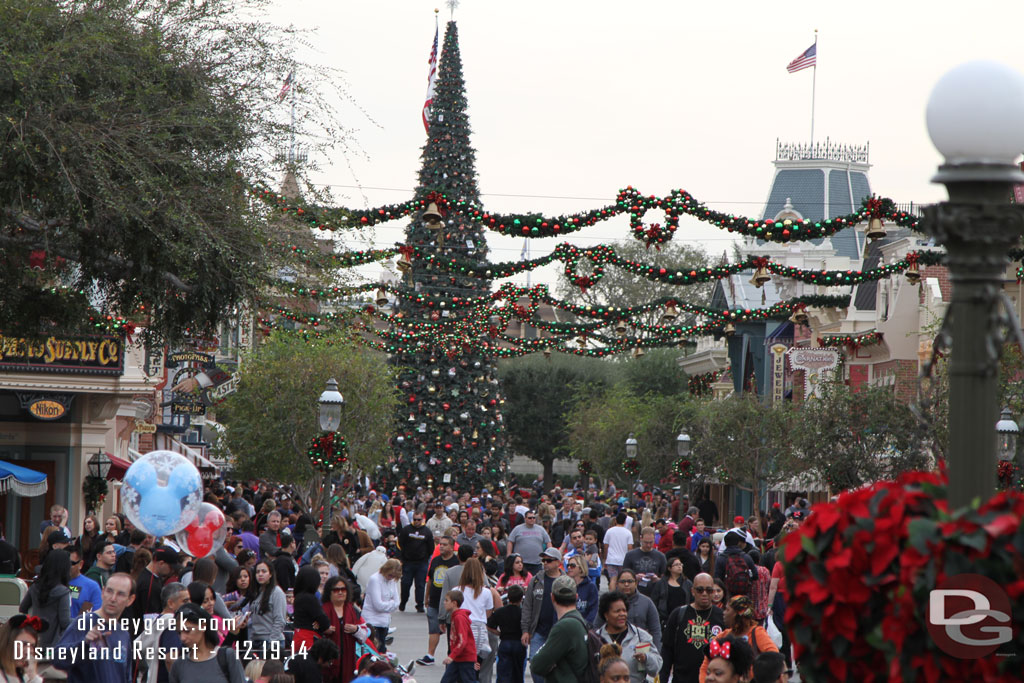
(118, 467)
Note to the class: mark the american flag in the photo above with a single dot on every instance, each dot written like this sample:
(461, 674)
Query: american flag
(431, 79)
(806, 59)
(286, 87)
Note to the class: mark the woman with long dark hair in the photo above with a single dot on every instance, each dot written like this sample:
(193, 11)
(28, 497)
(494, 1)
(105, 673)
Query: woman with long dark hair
(309, 618)
(50, 597)
(706, 555)
(347, 627)
(387, 516)
(515, 573)
(89, 540)
(266, 625)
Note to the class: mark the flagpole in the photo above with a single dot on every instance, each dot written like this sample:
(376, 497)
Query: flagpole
(814, 83)
(291, 147)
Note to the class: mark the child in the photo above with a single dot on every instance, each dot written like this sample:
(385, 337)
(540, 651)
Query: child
(461, 664)
(593, 556)
(506, 622)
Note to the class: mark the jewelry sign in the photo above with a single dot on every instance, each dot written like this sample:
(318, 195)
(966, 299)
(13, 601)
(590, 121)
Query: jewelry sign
(778, 372)
(817, 365)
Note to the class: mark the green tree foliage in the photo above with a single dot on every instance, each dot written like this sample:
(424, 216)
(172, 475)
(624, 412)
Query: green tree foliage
(600, 421)
(274, 414)
(746, 443)
(656, 372)
(538, 394)
(852, 438)
(128, 131)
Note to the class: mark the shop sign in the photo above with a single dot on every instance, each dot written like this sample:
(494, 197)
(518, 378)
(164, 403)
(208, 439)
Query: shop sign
(145, 427)
(45, 409)
(82, 356)
(195, 379)
(817, 364)
(778, 372)
(46, 406)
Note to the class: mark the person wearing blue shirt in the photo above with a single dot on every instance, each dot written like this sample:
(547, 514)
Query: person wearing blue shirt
(101, 654)
(85, 593)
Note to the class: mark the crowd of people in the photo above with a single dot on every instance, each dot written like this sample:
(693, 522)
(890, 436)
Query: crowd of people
(573, 585)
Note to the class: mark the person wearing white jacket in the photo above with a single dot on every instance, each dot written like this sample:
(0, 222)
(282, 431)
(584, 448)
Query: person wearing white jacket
(381, 600)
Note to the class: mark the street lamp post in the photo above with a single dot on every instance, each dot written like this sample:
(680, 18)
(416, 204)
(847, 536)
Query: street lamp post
(973, 115)
(331, 401)
(631, 456)
(1006, 435)
(683, 445)
(99, 465)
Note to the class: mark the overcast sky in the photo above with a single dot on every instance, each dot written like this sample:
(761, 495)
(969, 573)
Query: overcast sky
(569, 100)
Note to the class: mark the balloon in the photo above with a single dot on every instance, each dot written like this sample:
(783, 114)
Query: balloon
(162, 492)
(205, 534)
(369, 526)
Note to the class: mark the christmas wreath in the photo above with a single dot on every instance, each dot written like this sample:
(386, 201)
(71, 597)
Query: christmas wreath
(95, 491)
(586, 468)
(631, 467)
(1007, 473)
(683, 468)
(860, 572)
(328, 451)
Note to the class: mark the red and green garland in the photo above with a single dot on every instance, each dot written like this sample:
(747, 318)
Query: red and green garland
(851, 342)
(328, 452)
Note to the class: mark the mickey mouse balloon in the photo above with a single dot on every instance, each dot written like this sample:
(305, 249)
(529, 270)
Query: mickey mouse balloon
(205, 534)
(162, 492)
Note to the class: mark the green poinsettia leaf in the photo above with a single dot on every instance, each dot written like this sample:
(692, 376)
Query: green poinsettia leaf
(807, 543)
(976, 540)
(920, 532)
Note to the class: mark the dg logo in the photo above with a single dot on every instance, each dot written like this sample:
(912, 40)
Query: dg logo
(969, 616)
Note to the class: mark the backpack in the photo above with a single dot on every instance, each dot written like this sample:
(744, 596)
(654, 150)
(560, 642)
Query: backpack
(760, 593)
(590, 674)
(737, 574)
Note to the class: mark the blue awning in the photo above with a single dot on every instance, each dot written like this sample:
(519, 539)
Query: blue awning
(21, 480)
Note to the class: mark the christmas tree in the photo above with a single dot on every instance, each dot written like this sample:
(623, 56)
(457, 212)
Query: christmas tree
(450, 428)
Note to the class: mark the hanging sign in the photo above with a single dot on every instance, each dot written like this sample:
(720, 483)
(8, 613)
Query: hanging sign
(778, 383)
(47, 410)
(82, 356)
(46, 406)
(817, 365)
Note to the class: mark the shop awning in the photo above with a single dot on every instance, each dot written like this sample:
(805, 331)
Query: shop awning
(118, 467)
(21, 480)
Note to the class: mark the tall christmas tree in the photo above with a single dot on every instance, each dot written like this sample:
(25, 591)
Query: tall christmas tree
(450, 428)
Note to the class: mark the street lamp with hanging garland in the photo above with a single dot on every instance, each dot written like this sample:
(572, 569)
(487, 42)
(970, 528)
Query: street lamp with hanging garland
(974, 116)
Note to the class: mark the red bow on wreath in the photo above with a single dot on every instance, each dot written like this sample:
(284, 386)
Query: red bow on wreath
(720, 649)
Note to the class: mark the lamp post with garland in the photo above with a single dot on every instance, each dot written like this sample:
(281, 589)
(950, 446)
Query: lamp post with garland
(973, 117)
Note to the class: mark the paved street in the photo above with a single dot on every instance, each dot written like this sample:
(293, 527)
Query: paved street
(411, 643)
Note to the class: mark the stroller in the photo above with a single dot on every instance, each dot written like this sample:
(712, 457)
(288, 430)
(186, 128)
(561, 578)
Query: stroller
(367, 653)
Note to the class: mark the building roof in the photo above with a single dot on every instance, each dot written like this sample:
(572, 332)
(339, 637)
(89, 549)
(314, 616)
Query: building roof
(820, 189)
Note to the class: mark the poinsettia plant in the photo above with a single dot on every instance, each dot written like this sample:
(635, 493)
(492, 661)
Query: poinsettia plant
(860, 571)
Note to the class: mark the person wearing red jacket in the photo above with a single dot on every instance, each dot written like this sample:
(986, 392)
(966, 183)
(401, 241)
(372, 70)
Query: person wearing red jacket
(461, 663)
